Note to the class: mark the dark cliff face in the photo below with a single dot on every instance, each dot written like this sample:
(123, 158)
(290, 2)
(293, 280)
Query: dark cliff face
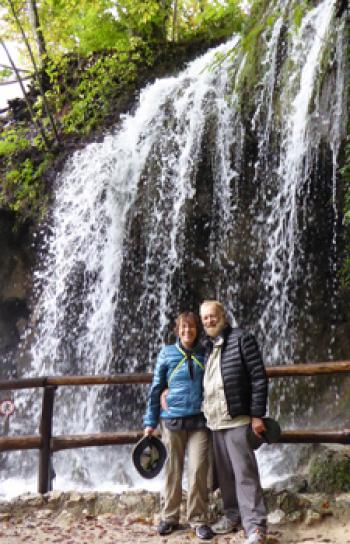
(16, 267)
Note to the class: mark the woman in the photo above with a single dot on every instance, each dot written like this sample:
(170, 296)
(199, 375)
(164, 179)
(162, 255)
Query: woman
(180, 369)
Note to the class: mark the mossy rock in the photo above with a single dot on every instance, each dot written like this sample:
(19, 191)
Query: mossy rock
(286, 501)
(329, 472)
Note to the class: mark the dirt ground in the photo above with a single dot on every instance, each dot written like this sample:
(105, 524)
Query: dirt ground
(108, 528)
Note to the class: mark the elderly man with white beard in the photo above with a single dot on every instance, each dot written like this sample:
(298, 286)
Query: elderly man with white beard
(235, 396)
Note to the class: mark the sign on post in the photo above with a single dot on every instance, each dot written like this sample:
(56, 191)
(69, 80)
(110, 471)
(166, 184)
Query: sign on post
(7, 408)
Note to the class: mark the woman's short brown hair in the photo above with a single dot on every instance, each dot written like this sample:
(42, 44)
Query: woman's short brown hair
(187, 316)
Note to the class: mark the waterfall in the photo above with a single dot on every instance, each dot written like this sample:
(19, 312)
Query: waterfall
(209, 189)
(293, 170)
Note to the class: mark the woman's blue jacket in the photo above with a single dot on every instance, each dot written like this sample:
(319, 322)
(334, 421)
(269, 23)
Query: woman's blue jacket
(185, 394)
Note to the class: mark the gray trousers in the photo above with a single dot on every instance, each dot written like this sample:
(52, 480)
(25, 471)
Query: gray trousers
(238, 477)
(196, 443)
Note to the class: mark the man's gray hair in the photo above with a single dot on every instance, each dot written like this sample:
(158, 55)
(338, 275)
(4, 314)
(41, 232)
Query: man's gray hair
(217, 305)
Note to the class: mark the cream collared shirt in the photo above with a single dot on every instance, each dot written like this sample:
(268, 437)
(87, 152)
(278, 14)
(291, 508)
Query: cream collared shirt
(214, 401)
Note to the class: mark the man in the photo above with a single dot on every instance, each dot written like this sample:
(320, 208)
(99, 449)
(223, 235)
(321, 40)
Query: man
(235, 395)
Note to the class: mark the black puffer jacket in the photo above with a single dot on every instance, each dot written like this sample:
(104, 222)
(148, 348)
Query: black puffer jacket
(243, 373)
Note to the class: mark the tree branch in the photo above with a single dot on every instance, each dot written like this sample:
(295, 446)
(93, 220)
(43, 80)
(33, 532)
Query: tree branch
(12, 81)
(29, 106)
(37, 76)
(10, 67)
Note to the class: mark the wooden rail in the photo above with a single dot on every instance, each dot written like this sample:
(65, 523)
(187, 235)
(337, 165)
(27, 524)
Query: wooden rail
(280, 371)
(48, 444)
(119, 379)
(58, 443)
(45, 452)
(308, 369)
(315, 436)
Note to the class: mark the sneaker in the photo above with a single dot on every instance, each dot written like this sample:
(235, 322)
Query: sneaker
(257, 537)
(166, 527)
(204, 532)
(224, 526)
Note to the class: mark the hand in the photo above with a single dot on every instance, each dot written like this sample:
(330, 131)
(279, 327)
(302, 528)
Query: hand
(163, 401)
(148, 431)
(258, 426)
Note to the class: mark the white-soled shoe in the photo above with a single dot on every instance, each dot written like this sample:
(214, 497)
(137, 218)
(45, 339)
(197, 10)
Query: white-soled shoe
(256, 537)
(224, 525)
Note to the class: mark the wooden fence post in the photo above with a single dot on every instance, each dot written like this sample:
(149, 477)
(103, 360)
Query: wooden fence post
(45, 454)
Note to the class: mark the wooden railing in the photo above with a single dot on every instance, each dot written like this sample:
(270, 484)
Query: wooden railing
(48, 444)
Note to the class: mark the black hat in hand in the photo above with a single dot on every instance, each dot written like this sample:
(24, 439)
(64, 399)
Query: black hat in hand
(149, 456)
(269, 436)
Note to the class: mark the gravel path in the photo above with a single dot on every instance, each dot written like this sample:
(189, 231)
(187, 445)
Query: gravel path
(108, 528)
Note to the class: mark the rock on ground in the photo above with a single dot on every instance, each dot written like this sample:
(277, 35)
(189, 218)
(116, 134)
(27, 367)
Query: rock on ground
(132, 517)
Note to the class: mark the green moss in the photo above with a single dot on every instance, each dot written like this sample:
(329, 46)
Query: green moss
(261, 20)
(299, 11)
(258, 27)
(23, 188)
(258, 10)
(246, 63)
(85, 97)
(12, 141)
(23, 161)
(330, 472)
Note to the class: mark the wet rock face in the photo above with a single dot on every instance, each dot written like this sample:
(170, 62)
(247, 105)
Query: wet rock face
(329, 471)
(341, 6)
(192, 278)
(15, 287)
(320, 311)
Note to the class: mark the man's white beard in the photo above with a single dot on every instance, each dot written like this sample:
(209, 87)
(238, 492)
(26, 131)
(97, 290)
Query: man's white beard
(213, 332)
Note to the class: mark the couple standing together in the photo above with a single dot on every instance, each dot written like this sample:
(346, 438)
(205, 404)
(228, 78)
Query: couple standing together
(222, 387)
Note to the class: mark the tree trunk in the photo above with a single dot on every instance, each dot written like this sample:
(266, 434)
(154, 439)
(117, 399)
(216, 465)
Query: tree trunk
(39, 37)
(175, 8)
(37, 75)
(36, 121)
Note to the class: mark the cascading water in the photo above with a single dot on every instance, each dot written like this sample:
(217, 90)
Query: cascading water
(297, 151)
(293, 169)
(203, 192)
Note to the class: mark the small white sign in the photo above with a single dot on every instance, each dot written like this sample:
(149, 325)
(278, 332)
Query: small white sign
(7, 408)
